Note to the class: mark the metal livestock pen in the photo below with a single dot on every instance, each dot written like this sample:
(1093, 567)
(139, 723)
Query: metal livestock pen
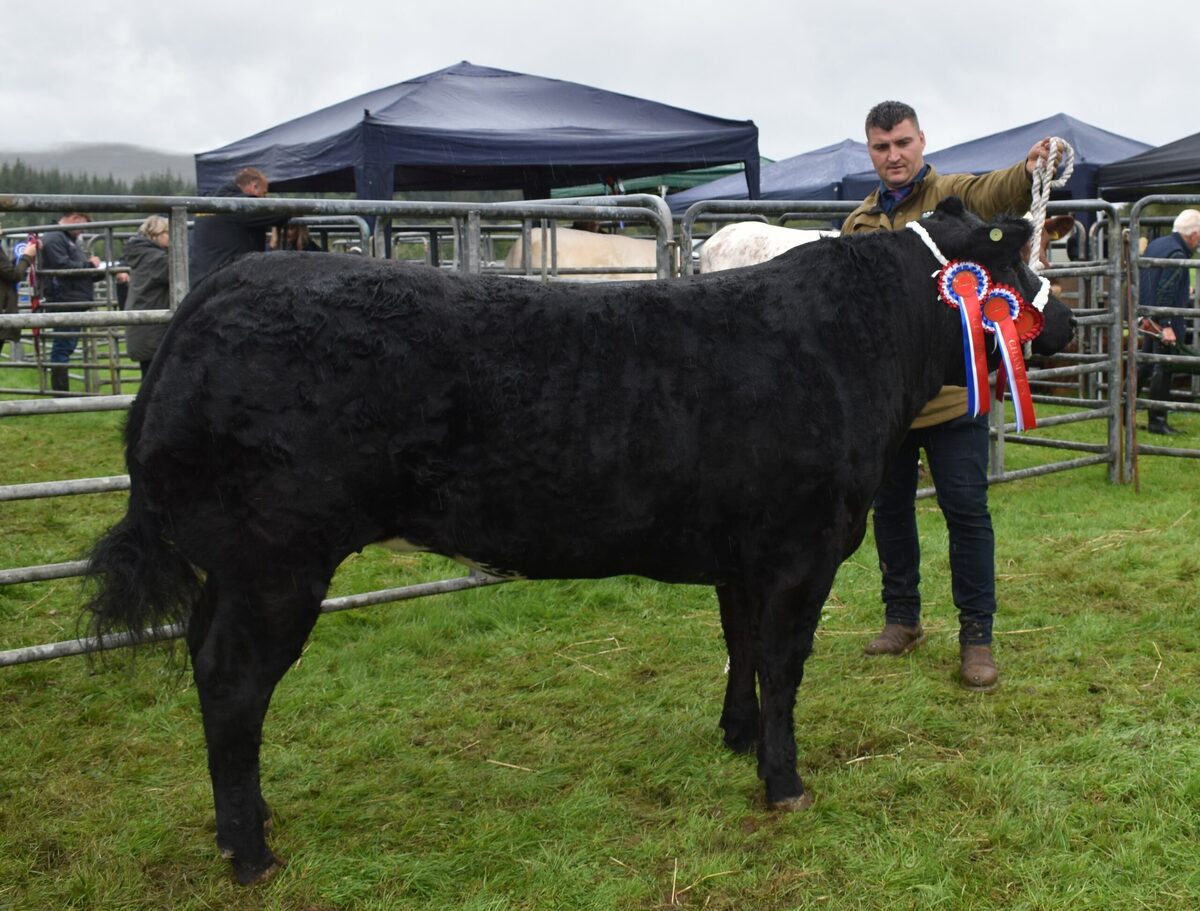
(1091, 384)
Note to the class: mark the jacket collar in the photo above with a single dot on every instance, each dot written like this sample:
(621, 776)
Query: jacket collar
(888, 200)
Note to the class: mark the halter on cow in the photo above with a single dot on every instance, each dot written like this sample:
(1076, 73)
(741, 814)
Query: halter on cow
(727, 429)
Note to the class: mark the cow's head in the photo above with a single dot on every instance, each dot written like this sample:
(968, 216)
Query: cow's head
(998, 246)
(1055, 227)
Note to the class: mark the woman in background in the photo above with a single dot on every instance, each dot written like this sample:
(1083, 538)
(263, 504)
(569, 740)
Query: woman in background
(12, 273)
(149, 287)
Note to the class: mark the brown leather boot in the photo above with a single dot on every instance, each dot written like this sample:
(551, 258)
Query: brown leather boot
(895, 640)
(979, 668)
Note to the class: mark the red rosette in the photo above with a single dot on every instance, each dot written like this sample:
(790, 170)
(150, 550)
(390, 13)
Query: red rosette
(1029, 323)
(1001, 310)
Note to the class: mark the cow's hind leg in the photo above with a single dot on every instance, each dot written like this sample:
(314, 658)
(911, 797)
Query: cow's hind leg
(739, 716)
(242, 638)
(783, 643)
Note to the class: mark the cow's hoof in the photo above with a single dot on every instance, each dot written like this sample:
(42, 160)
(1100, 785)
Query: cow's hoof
(793, 804)
(254, 876)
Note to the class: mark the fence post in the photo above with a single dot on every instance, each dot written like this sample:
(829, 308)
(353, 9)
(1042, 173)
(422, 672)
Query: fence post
(177, 254)
(474, 260)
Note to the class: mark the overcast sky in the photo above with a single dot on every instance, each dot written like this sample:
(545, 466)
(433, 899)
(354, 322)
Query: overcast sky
(195, 76)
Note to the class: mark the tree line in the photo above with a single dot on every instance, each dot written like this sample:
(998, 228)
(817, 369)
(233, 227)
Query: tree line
(18, 177)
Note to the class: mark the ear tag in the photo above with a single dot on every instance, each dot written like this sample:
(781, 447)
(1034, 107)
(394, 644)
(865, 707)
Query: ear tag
(996, 235)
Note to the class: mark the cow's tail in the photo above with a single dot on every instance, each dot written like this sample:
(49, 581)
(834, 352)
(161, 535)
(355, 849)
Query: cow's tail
(138, 581)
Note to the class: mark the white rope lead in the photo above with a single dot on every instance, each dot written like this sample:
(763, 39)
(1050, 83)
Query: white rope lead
(1043, 182)
(929, 242)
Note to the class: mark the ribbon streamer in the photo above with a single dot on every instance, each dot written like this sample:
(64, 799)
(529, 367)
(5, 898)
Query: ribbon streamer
(963, 285)
(1001, 308)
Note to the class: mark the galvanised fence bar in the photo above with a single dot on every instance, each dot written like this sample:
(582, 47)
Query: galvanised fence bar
(1134, 447)
(467, 221)
(1099, 296)
(1096, 293)
(1096, 301)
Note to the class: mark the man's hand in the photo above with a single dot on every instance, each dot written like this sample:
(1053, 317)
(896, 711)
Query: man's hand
(1168, 335)
(1039, 152)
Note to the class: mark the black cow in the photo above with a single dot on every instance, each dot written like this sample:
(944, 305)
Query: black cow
(729, 429)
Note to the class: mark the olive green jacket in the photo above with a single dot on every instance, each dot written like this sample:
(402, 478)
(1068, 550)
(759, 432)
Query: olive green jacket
(11, 273)
(987, 195)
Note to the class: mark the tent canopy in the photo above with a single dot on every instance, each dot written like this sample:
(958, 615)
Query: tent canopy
(676, 180)
(1093, 148)
(811, 175)
(1172, 168)
(470, 127)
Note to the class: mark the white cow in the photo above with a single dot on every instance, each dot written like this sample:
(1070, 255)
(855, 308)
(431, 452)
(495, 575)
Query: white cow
(586, 249)
(745, 243)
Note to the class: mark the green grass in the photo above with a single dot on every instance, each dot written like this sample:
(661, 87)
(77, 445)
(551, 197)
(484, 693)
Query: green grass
(554, 745)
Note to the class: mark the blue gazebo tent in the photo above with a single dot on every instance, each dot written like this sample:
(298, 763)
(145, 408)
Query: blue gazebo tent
(672, 182)
(470, 127)
(1093, 147)
(811, 175)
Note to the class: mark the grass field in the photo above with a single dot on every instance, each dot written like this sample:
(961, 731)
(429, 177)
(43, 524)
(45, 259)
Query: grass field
(554, 745)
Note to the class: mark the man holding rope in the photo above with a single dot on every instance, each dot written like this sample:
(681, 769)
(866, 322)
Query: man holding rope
(955, 443)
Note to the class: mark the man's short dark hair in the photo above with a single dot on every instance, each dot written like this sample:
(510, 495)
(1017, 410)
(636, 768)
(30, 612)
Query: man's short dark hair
(887, 115)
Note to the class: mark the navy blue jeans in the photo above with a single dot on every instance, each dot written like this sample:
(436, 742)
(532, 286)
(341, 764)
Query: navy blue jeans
(62, 344)
(957, 453)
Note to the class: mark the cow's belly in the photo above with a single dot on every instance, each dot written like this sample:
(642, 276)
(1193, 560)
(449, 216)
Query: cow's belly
(557, 556)
(405, 546)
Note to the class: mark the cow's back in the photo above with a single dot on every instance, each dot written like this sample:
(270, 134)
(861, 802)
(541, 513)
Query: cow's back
(554, 431)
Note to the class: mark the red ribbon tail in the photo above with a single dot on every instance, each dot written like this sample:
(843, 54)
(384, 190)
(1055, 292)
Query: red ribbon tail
(1018, 382)
(972, 310)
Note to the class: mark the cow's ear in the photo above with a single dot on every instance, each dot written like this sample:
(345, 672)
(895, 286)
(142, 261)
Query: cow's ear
(951, 205)
(1058, 226)
(1001, 239)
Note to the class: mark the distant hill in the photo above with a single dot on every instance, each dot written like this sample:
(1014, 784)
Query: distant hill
(123, 162)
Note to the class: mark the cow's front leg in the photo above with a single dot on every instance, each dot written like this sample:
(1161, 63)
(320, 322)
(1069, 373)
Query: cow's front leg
(783, 643)
(739, 716)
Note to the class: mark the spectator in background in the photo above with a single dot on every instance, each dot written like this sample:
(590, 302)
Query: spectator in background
(1166, 286)
(220, 238)
(149, 286)
(12, 272)
(296, 237)
(62, 250)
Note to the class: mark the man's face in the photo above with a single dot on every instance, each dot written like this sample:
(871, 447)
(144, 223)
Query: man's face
(256, 187)
(897, 154)
(1192, 240)
(73, 220)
